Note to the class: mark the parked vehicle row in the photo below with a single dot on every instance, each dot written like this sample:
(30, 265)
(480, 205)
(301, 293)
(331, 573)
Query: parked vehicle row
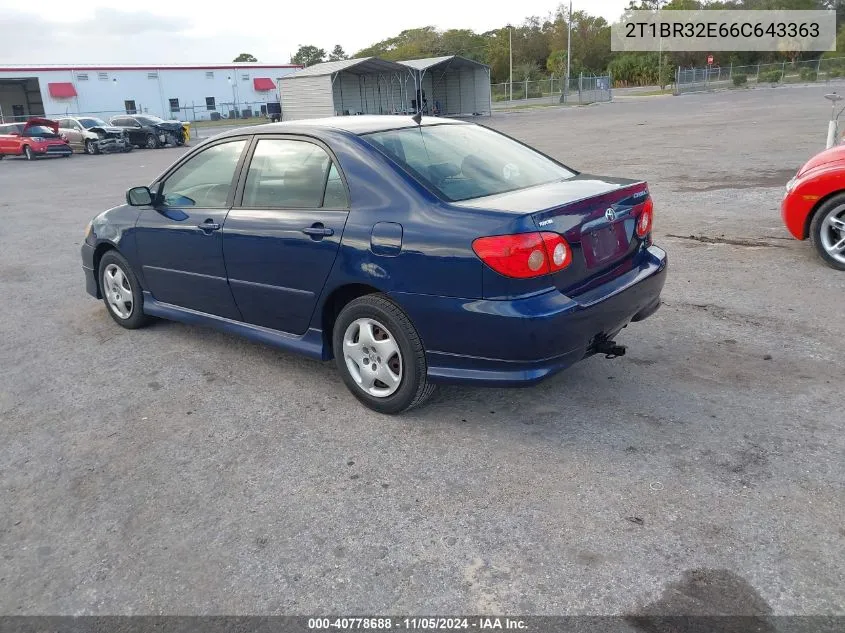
(89, 135)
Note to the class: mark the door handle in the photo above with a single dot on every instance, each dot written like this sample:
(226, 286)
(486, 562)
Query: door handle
(208, 225)
(317, 231)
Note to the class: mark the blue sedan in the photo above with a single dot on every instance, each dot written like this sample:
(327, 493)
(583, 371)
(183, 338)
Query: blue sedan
(412, 251)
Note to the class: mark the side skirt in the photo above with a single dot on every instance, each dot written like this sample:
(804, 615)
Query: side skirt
(309, 344)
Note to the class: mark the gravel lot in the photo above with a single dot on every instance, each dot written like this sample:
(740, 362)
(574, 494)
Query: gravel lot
(180, 470)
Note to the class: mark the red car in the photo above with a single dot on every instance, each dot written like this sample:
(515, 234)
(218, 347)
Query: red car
(814, 205)
(36, 137)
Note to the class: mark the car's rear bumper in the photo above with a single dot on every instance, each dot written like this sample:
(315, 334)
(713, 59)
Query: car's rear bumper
(520, 342)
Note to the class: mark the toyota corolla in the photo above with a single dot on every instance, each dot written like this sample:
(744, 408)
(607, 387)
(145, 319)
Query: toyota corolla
(413, 252)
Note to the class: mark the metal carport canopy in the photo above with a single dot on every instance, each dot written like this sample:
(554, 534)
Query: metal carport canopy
(379, 86)
(448, 63)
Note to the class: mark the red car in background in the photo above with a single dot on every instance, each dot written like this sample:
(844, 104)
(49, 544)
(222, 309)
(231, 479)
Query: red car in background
(814, 205)
(35, 138)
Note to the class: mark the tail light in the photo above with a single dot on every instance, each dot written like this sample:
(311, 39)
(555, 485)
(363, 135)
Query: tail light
(646, 219)
(524, 255)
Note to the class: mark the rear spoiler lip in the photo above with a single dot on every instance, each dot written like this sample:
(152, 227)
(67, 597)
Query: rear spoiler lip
(629, 189)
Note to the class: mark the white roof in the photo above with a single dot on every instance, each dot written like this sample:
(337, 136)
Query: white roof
(429, 62)
(359, 66)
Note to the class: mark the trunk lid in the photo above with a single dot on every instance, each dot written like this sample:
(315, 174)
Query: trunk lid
(596, 215)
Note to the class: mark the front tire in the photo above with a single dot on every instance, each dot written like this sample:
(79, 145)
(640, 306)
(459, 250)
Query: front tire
(152, 141)
(28, 153)
(380, 355)
(91, 148)
(827, 232)
(121, 291)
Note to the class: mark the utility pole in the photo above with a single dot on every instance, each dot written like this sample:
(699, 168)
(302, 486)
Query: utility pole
(510, 49)
(568, 51)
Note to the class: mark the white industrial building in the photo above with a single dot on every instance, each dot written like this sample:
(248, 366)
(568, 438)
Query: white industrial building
(186, 92)
(448, 86)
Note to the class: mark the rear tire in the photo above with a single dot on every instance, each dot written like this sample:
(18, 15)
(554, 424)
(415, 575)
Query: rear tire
(152, 141)
(827, 231)
(28, 153)
(373, 332)
(121, 291)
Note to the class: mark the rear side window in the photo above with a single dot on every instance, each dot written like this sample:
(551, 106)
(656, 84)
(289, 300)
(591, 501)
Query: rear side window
(461, 162)
(292, 174)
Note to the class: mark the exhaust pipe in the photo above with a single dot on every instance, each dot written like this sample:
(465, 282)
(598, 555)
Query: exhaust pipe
(610, 349)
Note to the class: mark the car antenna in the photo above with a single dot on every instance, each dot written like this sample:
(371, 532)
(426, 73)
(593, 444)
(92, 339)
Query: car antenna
(417, 118)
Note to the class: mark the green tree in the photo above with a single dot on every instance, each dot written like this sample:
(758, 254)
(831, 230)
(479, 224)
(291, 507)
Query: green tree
(337, 54)
(309, 55)
(556, 63)
(245, 57)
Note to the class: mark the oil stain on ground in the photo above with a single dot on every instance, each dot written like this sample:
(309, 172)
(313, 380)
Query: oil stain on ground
(706, 600)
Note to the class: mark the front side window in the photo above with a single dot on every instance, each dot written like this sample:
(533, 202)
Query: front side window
(148, 120)
(288, 174)
(205, 180)
(461, 162)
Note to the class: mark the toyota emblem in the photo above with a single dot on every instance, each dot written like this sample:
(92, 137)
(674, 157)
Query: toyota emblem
(610, 214)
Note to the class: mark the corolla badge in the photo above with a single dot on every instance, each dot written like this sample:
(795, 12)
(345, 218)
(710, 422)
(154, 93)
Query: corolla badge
(610, 214)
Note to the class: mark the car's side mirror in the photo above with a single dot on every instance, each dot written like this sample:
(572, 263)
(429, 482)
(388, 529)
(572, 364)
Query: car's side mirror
(139, 197)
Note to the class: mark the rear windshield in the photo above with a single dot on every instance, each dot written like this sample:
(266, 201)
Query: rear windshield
(461, 162)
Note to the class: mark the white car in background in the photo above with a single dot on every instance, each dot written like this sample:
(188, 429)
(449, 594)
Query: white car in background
(93, 136)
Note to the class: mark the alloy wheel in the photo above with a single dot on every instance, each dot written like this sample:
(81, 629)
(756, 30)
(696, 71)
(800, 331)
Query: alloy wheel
(118, 291)
(372, 357)
(832, 235)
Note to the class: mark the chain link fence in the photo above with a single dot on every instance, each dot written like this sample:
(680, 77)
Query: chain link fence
(226, 111)
(581, 89)
(716, 77)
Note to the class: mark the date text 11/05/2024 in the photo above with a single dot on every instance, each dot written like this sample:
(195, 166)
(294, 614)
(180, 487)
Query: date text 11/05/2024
(416, 624)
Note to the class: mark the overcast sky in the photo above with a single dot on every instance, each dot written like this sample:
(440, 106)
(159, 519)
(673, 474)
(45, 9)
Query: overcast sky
(188, 31)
